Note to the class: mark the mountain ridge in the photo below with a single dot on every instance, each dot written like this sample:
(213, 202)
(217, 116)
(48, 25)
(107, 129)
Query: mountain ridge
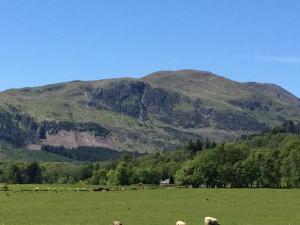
(160, 111)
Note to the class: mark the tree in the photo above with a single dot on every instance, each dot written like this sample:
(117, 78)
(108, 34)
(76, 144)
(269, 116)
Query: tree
(199, 145)
(250, 170)
(82, 172)
(99, 177)
(207, 144)
(269, 170)
(122, 175)
(291, 169)
(42, 132)
(2, 175)
(14, 174)
(33, 172)
(191, 148)
(184, 175)
(148, 176)
(207, 171)
(298, 128)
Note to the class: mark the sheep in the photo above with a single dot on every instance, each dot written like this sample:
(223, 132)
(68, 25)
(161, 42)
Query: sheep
(117, 223)
(180, 223)
(83, 189)
(211, 221)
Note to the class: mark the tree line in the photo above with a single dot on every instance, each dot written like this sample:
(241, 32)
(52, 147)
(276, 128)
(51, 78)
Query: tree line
(89, 154)
(268, 160)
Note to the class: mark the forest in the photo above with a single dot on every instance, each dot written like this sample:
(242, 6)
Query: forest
(267, 160)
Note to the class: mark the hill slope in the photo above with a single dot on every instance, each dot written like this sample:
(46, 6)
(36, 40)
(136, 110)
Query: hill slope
(9, 152)
(158, 112)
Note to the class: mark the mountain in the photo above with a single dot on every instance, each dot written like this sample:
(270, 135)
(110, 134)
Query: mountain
(158, 112)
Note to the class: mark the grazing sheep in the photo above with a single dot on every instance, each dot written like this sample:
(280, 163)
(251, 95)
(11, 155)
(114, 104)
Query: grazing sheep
(83, 189)
(211, 221)
(180, 223)
(117, 223)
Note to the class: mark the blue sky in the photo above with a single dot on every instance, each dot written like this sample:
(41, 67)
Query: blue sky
(51, 41)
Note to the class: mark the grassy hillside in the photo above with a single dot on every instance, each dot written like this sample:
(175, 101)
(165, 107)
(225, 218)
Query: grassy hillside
(10, 152)
(158, 112)
(266, 102)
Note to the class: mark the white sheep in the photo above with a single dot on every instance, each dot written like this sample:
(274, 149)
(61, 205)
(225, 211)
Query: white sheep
(117, 223)
(211, 221)
(180, 223)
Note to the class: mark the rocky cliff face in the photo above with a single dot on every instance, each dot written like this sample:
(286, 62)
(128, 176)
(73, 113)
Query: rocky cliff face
(159, 112)
(143, 102)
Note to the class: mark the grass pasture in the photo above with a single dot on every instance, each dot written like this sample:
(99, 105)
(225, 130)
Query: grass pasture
(150, 207)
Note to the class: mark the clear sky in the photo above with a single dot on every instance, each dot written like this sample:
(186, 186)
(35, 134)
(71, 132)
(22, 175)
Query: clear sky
(51, 41)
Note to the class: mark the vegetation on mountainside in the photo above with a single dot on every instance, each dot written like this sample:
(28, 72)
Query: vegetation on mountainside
(9, 152)
(158, 112)
(20, 129)
(90, 154)
(269, 160)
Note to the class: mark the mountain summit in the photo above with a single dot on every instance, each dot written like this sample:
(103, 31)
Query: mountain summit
(160, 111)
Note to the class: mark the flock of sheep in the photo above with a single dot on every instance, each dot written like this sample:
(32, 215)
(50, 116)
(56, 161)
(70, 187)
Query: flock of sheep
(207, 221)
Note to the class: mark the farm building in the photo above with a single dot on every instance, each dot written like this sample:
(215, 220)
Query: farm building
(165, 182)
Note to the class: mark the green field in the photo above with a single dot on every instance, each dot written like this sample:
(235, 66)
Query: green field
(150, 207)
